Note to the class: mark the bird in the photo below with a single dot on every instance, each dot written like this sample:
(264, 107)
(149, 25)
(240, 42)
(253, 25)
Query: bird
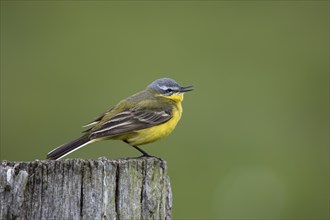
(142, 118)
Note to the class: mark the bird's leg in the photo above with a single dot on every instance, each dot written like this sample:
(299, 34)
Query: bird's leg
(145, 154)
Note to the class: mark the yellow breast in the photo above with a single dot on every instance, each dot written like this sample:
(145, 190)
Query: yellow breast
(152, 134)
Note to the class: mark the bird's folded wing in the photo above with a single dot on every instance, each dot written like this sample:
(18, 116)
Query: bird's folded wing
(129, 121)
(97, 120)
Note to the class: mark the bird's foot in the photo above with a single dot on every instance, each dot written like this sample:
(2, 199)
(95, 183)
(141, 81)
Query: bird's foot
(144, 154)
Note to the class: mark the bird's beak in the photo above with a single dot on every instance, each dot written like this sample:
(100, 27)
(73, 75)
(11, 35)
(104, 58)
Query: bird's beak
(186, 89)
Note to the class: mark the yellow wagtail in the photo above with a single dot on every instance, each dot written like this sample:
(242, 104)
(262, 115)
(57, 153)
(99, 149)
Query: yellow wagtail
(139, 119)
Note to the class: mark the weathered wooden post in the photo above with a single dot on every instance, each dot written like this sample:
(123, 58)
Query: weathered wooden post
(85, 189)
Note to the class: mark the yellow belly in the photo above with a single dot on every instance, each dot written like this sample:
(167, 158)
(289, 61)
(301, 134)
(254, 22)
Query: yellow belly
(155, 133)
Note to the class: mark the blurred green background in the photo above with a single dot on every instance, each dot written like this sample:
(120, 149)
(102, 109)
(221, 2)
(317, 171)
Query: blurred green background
(253, 141)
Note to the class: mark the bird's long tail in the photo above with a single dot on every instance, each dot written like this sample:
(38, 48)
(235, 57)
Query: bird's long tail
(68, 148)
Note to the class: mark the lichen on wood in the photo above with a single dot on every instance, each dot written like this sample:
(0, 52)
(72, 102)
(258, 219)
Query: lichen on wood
(85, 189)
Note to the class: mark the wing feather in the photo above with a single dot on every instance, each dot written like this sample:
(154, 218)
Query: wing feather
(130, 121)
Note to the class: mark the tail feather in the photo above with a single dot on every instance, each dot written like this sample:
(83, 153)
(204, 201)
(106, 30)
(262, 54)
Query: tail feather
(68, 148)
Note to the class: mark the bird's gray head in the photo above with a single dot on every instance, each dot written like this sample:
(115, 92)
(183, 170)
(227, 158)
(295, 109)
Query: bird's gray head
(167, 87)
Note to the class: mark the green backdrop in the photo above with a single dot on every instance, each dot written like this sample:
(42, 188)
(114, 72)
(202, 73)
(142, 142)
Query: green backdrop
(253, 141)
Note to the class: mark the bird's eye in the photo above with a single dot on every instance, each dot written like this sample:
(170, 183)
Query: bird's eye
(168, 90)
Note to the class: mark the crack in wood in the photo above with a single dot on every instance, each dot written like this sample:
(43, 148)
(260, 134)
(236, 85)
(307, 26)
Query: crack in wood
(117, 192)
(110, 189)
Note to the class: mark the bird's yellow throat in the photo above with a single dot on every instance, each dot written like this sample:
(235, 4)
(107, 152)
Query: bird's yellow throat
(177, 97)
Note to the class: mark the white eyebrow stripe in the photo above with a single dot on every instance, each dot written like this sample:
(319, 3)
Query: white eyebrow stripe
(162, 87)
(175, 88)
